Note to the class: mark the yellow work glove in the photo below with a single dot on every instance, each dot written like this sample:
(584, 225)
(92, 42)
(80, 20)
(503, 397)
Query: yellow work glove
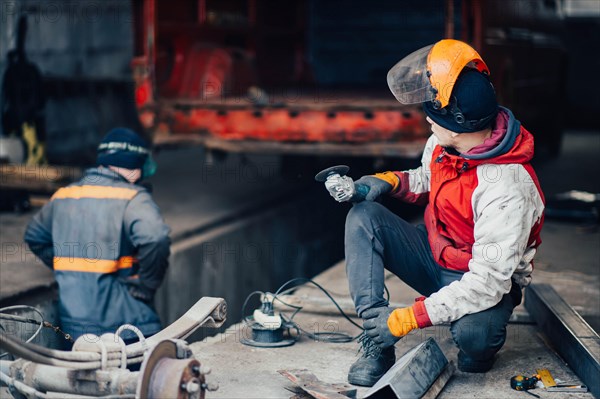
(385, 326)
(402, 321)
(389, 177)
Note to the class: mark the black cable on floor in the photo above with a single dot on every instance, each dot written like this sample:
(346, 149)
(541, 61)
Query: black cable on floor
(334, 337)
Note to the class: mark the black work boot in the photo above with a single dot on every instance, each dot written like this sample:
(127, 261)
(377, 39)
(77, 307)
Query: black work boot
(373, 363)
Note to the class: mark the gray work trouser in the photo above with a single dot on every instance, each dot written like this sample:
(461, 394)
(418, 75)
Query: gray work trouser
(376, 239)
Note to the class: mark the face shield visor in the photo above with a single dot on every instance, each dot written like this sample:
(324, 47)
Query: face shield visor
(408, 79)
(429, 74)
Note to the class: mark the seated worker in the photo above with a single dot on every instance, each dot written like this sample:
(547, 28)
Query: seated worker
(482, 221)
(106, 241)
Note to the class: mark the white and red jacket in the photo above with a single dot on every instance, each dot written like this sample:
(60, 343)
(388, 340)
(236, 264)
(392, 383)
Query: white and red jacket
(483, 217)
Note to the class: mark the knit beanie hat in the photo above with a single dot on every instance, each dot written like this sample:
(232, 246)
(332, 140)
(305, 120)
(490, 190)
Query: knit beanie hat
(123, 148)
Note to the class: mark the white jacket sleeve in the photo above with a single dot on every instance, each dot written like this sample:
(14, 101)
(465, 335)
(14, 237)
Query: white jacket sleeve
(505, 210)
(415, 184)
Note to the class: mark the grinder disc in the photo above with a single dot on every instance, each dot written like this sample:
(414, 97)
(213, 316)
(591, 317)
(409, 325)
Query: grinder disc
(325, 173)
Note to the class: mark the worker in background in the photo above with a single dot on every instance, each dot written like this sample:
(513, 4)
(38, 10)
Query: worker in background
(482, 221)
(23, 100)
(106, 241)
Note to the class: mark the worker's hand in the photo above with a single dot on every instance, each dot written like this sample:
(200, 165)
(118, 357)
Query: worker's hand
(141, 293)
(341, 188)
(376, 188)
(375, 324)
(386, 326)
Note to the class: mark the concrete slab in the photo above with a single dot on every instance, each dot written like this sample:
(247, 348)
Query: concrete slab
(246, 372)
(568, 260)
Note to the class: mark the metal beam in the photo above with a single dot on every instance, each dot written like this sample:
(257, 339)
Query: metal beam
(413, 374)
(571, 336)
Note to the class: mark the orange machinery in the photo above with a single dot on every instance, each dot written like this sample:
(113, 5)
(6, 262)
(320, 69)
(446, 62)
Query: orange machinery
(264, 76)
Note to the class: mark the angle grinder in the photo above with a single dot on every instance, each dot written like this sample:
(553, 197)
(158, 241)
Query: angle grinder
(270, 330)
(341, 187)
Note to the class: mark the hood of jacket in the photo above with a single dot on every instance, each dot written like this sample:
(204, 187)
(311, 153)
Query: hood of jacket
(516, 145)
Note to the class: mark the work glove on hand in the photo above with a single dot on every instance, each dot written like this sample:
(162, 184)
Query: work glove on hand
(141, 293)
(377, 187)
(386, 326)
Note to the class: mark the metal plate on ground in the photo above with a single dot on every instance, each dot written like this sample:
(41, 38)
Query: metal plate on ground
(570, 335)
(413, 373)
(316, 388)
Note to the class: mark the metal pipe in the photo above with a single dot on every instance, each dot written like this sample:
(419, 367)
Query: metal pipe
(207, 312)
(5, 366)
(19, 386)
(62, 395)
(21, 319)
(34, 393)
(78, 382)
(20, 349)
(73, 356)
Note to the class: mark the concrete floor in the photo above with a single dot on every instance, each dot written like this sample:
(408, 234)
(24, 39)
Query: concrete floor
(569, 256)
(246, 372)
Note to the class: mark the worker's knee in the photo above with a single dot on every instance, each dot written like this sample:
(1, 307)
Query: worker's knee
(477, 339)
(363, 214)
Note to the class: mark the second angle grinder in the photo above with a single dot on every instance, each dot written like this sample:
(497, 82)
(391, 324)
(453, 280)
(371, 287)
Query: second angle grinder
(269, 330)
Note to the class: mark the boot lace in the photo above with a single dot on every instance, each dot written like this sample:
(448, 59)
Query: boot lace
(368, 347)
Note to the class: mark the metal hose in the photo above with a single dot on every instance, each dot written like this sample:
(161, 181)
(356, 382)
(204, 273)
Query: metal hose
(32, 392)
(21, 350)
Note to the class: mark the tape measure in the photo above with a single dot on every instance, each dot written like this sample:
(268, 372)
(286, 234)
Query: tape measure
(546, 378)
(522, 383)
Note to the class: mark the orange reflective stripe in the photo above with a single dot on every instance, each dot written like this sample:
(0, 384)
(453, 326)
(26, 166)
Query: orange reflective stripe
(92, 265)
(126, 262)
(108, 192)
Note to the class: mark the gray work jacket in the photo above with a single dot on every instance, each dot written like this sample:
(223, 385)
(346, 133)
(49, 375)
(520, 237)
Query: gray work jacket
(101, 235)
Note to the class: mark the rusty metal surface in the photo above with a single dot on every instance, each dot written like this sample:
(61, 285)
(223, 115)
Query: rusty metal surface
(189, 80)
(300, 98)
(309, 383)
(167, 371)
(176, 379)
(330, 123)
(164, 375)
(405, 149)
(77, 382)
